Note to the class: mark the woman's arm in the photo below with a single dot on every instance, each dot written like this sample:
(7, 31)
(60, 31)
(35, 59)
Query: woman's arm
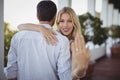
(13, 79)
(80, 57)
(48, 34)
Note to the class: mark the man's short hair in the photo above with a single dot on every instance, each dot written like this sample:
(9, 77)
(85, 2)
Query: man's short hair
(46, 10)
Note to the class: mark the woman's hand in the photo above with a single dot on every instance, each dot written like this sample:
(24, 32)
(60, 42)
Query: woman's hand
(80, 57)
(48, 34)
(13, 79)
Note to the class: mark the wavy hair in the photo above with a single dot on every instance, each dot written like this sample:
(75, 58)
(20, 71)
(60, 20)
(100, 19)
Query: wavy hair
(75, 20)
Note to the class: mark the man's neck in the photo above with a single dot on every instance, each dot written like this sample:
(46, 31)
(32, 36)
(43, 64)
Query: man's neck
(45, 22)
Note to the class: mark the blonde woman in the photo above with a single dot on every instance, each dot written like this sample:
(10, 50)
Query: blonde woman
(68, 25)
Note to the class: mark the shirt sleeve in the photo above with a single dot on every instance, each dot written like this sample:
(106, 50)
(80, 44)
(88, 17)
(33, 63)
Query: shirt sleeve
(11, 69)
(64, 62)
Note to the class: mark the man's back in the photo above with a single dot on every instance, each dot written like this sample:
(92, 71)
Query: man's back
(37, 60)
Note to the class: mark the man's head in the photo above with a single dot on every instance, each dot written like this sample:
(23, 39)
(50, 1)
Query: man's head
(46, 11)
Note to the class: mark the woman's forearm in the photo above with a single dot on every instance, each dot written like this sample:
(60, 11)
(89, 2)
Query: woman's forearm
(13, 79)
(48, 34)
(30, 26)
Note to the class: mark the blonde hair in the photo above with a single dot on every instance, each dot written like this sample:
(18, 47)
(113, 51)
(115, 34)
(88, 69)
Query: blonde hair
(75, 20)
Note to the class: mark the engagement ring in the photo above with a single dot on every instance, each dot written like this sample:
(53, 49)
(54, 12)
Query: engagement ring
(77, 49)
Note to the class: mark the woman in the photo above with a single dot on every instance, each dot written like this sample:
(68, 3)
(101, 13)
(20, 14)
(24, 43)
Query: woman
(68, 24)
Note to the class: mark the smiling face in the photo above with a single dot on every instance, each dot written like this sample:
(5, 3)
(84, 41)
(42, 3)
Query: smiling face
(65, 24)
(68, 23)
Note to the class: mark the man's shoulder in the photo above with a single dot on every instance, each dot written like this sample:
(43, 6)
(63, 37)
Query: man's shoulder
(24, 34)
(61, 37)
(17, 34)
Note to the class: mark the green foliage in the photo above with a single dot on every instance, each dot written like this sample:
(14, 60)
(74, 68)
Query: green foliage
(100, 34)
(7, 39)
(115, 31)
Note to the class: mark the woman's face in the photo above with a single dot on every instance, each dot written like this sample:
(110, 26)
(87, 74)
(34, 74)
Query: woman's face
(65, 24)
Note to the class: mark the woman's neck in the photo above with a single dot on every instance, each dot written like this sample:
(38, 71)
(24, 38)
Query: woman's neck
(69, 37)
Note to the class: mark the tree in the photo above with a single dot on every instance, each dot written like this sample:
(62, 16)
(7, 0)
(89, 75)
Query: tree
(99, 34)
(7, 39)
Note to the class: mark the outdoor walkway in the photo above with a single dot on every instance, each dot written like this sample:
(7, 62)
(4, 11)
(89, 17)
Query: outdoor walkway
(106, 69)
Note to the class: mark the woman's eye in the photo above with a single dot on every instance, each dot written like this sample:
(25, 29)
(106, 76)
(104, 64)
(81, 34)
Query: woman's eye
(61, 21)
(69, 20)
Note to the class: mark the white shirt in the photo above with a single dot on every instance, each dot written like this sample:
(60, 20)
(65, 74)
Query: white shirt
(31, 58)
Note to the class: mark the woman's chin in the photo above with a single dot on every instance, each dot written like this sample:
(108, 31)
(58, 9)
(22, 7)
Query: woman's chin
(65, 34)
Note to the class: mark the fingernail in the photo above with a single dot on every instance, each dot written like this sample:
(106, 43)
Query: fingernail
(81, 36)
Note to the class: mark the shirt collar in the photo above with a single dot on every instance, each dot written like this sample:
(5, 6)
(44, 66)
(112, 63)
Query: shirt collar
(47, 26)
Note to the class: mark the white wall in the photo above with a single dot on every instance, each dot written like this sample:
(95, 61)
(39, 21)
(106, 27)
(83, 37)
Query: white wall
(91, 7)
(2, 77)
(103, 14)
(63, 3)
(97, 53)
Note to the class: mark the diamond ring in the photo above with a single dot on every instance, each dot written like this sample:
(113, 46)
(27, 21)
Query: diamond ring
(76, 49)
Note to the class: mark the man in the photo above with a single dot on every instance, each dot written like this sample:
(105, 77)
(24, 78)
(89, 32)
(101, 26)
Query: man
(31, 58)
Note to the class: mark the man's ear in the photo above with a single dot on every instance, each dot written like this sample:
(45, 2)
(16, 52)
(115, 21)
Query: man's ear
(53, 20)
(54, 17)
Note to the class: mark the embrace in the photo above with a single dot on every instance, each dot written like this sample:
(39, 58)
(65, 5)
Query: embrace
(38, 52)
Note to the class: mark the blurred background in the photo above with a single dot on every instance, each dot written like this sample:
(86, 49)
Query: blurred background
(100, 23)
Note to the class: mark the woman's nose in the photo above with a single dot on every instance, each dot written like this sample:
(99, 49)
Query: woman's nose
(65, 25)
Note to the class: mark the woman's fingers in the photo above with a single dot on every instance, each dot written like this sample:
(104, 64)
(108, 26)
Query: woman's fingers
(50, 36)
(53, 36)
(73, 48)
(80, 44)
(80, 47)
(83, 44)
(47, 40)
(76, 46)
